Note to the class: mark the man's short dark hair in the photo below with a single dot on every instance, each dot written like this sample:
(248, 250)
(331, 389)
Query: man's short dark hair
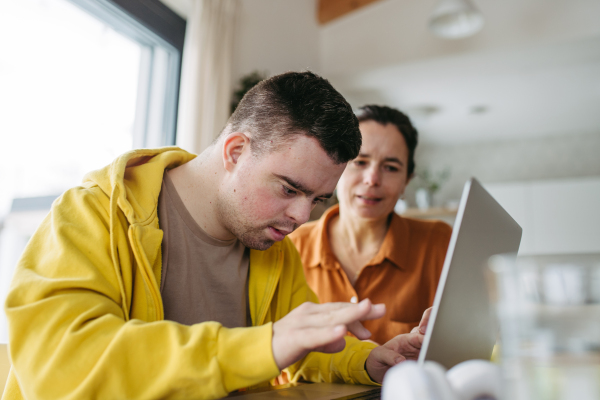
(279, 108)
(387, 115)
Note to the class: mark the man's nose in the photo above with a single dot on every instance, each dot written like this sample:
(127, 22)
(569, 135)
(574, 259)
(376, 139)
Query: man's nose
(299, 210)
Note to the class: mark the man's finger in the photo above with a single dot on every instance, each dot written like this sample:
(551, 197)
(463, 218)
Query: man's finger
(337, 316)
(347, 314)
(314, 308)
(359, 330)
(375, 310)
(313, 338)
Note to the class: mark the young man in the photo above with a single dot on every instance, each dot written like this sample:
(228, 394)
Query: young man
(168, 275)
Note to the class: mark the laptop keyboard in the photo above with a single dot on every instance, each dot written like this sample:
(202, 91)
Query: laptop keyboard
(374, 394)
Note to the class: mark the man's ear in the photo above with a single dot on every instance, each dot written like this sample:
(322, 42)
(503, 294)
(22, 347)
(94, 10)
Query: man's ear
(234, 145)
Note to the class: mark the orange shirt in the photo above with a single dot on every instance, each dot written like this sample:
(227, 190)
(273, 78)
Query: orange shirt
(404, 274)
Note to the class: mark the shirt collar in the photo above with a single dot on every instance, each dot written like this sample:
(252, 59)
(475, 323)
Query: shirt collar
(323, 256)
(393, 248)
(395, 243)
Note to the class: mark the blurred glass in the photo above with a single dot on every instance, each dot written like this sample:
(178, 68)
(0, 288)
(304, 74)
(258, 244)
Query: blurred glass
(548, 309)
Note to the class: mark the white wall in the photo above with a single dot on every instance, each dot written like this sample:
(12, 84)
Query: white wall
(276, 36)
(557, 216)
(273, 36)
(516, 160)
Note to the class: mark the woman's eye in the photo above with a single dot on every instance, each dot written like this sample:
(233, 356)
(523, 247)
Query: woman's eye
(360, 163)
(391, 168)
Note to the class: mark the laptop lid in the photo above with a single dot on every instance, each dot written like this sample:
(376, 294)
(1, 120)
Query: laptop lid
(461, 327)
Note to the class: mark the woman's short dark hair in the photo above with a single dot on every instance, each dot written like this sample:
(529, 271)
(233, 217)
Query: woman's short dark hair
(387, 115)
(278, 108)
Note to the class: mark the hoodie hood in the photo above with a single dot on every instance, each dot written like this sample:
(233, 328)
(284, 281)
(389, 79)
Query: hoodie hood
(135, 178)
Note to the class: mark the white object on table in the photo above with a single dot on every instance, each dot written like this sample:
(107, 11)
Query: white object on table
(475, 379)
(469, 380)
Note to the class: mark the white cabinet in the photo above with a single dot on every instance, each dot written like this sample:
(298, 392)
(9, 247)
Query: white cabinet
(557, 216)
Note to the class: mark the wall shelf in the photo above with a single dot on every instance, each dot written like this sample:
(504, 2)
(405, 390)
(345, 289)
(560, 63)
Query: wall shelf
(430, 213)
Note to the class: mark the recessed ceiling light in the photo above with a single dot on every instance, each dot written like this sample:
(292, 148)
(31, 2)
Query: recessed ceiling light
(425, 110)
(455, 19)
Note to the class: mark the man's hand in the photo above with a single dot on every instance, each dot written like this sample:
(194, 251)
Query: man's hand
(320, 327)
(401, 348)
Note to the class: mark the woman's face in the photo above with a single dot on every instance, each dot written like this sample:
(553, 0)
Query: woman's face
(372, 183)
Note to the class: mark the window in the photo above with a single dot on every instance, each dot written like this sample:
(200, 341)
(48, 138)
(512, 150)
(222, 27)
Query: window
(81, 82)
(159, 33)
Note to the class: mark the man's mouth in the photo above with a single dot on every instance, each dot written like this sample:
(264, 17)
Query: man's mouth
(279, 234)
(283, 231)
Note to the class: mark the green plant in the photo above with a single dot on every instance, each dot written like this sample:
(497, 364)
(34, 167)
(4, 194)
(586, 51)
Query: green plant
(432, 181)
(246, 83)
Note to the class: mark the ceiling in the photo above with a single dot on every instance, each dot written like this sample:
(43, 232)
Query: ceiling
(532, 71)
(532, 92)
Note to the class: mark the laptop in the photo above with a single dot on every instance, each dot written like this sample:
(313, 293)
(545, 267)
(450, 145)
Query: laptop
(460, 326)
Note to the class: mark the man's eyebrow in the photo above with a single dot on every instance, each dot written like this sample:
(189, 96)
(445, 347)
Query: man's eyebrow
(300, 187)
(392, 159)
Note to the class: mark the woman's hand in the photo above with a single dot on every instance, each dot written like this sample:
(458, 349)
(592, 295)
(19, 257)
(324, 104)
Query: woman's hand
(403, 347)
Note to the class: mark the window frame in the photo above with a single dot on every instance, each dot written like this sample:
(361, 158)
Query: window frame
(161, 32)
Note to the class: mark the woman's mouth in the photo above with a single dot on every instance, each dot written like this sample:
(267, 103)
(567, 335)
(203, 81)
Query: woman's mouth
(369, 200)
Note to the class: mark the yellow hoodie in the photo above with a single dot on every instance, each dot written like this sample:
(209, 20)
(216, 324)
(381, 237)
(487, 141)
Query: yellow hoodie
(86, 317)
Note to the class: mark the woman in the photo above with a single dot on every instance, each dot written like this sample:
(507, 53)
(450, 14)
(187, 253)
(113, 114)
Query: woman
(361, 248)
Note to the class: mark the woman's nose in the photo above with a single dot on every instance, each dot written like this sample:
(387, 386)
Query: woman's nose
(371, 177)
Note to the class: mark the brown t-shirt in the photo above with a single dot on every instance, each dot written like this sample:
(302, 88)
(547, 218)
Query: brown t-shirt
(203, 278)
(404, 274)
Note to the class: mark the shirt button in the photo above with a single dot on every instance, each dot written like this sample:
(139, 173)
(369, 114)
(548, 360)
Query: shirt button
(353, 299)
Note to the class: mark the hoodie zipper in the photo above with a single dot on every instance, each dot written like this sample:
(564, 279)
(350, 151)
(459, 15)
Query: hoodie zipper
(113, 245)
(145, 269)
(270, 289)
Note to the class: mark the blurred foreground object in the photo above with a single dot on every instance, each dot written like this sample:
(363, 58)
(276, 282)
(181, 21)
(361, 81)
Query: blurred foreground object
(549, 315)
(469, 380)
(455, 19)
